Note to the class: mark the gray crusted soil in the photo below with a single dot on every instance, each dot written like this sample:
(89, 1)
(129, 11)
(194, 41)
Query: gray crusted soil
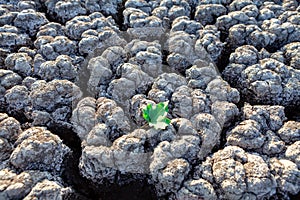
(76, 75)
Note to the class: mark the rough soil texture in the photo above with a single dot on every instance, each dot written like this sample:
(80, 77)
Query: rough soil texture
(76, 75)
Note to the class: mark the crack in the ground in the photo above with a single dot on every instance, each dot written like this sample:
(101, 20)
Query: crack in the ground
(88, 190)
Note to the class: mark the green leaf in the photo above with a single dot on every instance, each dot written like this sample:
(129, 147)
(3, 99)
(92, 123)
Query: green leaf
(146, 113)
(156, 115)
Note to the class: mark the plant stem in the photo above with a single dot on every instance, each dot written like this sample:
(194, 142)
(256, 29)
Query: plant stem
(144, 126)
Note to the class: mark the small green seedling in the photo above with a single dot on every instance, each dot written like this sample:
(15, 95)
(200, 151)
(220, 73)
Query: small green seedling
(156, 115)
